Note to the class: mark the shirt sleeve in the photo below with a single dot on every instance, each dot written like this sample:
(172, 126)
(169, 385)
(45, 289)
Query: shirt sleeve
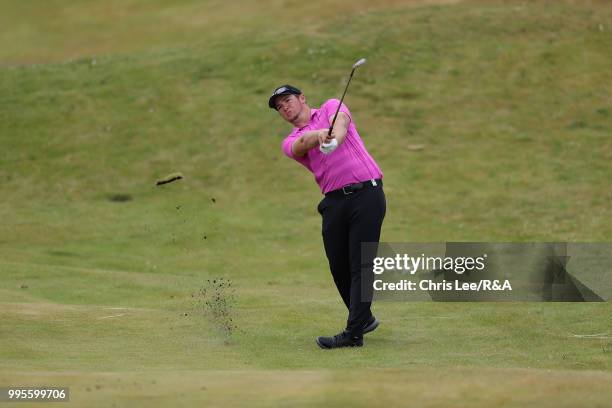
(330, 106)
(286, 147)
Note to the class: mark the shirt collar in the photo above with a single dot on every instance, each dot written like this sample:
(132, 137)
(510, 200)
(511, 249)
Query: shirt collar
(313, 113)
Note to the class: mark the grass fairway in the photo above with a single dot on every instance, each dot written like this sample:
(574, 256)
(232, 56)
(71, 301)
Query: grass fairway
(105, 276)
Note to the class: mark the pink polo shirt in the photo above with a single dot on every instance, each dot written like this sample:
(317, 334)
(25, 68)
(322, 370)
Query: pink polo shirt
(349, 163)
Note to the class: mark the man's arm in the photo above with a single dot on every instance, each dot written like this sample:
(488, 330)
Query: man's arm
(313, 138)
(340, 127)
(307, 141)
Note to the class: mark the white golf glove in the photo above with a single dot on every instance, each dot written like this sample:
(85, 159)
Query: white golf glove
(327, 148)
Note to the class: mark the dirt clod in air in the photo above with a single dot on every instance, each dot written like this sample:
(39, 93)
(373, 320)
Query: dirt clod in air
(215, 301)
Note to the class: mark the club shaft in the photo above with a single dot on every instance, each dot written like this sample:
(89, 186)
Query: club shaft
(341, 99)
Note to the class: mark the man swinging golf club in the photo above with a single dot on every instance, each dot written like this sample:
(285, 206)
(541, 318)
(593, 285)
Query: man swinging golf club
(326, 142)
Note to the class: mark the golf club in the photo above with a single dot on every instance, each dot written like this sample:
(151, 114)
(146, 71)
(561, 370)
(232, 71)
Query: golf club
(355, 65)
(327, 148)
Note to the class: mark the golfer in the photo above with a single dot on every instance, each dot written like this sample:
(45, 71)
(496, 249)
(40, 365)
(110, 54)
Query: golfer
(354, 204)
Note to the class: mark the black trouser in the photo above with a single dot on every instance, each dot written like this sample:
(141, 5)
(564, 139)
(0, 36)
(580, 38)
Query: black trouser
(349, 220)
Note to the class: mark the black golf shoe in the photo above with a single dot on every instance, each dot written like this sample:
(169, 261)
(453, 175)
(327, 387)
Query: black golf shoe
(344, 339)
(370, 325)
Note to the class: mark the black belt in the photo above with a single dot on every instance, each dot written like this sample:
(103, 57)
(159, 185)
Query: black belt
(351, 188)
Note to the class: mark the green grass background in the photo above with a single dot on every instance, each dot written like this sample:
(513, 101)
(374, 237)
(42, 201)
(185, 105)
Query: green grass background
(511, 100)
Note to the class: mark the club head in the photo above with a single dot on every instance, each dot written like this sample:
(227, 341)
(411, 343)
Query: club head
(358, 63)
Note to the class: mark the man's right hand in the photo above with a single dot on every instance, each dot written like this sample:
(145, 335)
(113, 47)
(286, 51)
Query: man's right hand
(323, 136)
